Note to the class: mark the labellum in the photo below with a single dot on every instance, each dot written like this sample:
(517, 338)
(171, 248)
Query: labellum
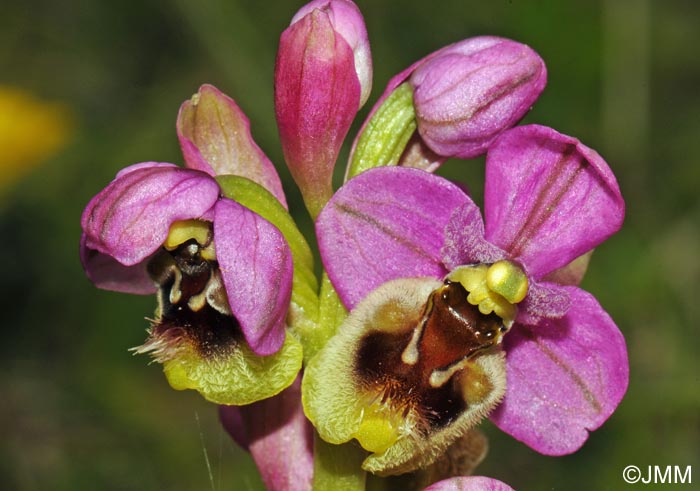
(416, 374)
(192, 303)
(195, 335)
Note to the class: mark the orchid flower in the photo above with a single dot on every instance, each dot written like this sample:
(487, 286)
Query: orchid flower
(222, 272)
(453, 317)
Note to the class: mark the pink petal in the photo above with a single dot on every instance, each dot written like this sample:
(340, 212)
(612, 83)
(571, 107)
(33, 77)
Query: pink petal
(565, 377)
(471, 483)
(256, 266)
(279, 437)
(130, 219)
(464, 239)
(215, 138)
(384, 224)
(106, 273)
(317, 94)
(472, 91)
(548, 198)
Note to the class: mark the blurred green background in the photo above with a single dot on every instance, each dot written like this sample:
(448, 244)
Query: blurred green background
(79, 412)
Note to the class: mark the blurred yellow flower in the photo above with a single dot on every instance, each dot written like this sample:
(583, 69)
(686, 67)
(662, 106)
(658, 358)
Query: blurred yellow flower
(31, 130)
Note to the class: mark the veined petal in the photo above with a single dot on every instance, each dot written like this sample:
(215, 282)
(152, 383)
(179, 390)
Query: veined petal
(215, 138)
(256, 266)
(548, 198)
(109, 274)
(464, 239)
(317, 94)
(565, 377)
(384, 224)
(472, 91)
(469, 483)
(347, 20)
(279, 438)
(129, 219)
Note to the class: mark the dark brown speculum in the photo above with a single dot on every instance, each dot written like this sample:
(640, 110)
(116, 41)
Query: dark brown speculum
(422, 367)
(193, 306)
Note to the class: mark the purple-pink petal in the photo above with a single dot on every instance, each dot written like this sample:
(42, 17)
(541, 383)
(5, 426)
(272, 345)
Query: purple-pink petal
(384, 224)
(469, 483)
(548, 198)
(106, 273)
(215, 138)
(543, 301)
(464, 239)
(565, 377)
(130, 219)
(256, 266)
(472, 91)
(279, 438)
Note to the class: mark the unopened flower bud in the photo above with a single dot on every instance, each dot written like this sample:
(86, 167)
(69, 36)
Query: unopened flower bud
(318, 92)
(468, 93)
(348, 22)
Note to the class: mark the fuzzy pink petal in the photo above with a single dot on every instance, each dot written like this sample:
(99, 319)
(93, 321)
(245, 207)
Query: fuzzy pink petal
(215, 137)
(469, 483)
(384, 224)
(317, 94)
(129, 219)
(279, 438)
(464, 239)
(543, 301)
(565, 377)
(256, 266)
(548, 198)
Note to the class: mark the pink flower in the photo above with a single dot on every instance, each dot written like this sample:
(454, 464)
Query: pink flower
(222, 272)
(435, 290)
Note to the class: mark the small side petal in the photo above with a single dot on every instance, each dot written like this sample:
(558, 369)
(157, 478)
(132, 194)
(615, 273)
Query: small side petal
(548, 198)
(107, 273)
(565, 377)
(129, 219)
(215, 137)
(470, 483)
(544, 301)
(464, 239)
(256, 266)
(384, 224)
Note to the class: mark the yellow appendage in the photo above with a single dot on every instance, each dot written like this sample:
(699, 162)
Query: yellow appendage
(493, 288)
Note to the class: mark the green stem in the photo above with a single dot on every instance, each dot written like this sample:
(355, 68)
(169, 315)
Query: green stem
(338, 467)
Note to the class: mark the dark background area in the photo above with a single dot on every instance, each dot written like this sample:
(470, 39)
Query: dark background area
(79, 412)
